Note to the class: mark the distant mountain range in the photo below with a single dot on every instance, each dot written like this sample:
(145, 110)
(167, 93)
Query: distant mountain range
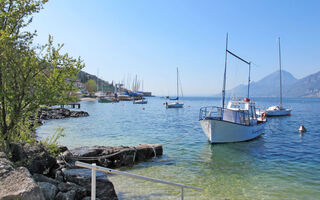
(269, 86)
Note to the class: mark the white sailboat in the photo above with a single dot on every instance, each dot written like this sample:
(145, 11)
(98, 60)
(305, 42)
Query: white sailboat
(238, 122)
(278, 110)
(140, 101)
(176, 103)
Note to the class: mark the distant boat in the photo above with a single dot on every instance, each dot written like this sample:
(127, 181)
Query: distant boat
(177, 103)
(238, 122)
(140, 101)
(278, 110)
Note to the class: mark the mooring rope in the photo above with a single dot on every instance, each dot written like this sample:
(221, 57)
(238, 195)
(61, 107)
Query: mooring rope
(180, 138)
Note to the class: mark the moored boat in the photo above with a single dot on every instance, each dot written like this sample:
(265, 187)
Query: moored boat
(236, 123)
(278, 110)
(176, 103)
(140, 101)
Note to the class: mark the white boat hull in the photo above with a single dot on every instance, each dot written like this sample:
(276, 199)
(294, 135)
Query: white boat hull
(140, 102)
(219, 131)
(174, 105)
(282, 112)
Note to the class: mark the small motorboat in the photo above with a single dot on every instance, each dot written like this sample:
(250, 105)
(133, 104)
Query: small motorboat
(140, 101)
(176, 104)
(236, 123)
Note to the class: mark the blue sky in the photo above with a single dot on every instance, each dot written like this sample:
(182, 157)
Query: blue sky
(119, 39)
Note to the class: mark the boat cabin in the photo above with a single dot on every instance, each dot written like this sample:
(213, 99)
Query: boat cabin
(240, 112)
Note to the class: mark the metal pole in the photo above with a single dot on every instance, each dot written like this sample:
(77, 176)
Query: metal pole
(249, 80)
(225, 74)
(182, 195)
(280, 74)
(93, 182)
(177, 83)
(112, 171)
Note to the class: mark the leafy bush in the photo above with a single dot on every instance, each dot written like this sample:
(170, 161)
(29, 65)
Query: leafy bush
(51, 142)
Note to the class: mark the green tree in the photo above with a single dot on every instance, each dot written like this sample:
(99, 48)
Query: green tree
(91, 87)
(30, 76)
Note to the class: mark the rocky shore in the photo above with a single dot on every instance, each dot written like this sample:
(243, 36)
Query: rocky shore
(47, 113)
(32, 173)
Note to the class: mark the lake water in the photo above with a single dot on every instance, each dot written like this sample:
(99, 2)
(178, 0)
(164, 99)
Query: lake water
(280, 164)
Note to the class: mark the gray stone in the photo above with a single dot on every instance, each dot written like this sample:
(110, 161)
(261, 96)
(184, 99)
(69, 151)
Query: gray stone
(59, 176)
(42, 162)
(80, 191)
(17, 183)
(86, 151)
(147, 151)
(82, 177)
(3, 155)
(114, 157)
(78, 114)
(70, 195)
(59, 113)
(42, 178)
(5, 166)
(49, 190)
(17, 152)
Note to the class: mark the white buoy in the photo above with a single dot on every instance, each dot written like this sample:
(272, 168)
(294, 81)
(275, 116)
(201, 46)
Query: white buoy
(302, 129)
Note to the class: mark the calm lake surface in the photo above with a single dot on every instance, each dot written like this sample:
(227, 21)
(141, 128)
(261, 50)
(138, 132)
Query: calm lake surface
(279, 165)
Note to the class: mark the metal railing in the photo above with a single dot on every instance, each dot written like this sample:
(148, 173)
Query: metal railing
(210, 112)
(95, 168)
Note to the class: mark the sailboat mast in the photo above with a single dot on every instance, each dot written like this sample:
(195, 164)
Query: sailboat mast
(249, 80)
(280, 73)
(225, 74)
(177, 83)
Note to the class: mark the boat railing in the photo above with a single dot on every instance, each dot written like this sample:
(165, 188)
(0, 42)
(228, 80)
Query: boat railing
(234, 116)
(95, 168)
(210, 112)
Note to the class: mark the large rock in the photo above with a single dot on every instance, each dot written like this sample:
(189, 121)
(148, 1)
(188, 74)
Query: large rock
(147, 151)
(17, 152)
(69, 186)
(59, 113)
(70, 195)
(17, 183)
(42, 163)
(114, 157)
(49, 190)
(74, 113)
(82, 177)
(35, 157)
(42, 178)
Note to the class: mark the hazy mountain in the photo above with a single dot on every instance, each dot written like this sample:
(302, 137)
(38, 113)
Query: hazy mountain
(305, 87)
(269, 86)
